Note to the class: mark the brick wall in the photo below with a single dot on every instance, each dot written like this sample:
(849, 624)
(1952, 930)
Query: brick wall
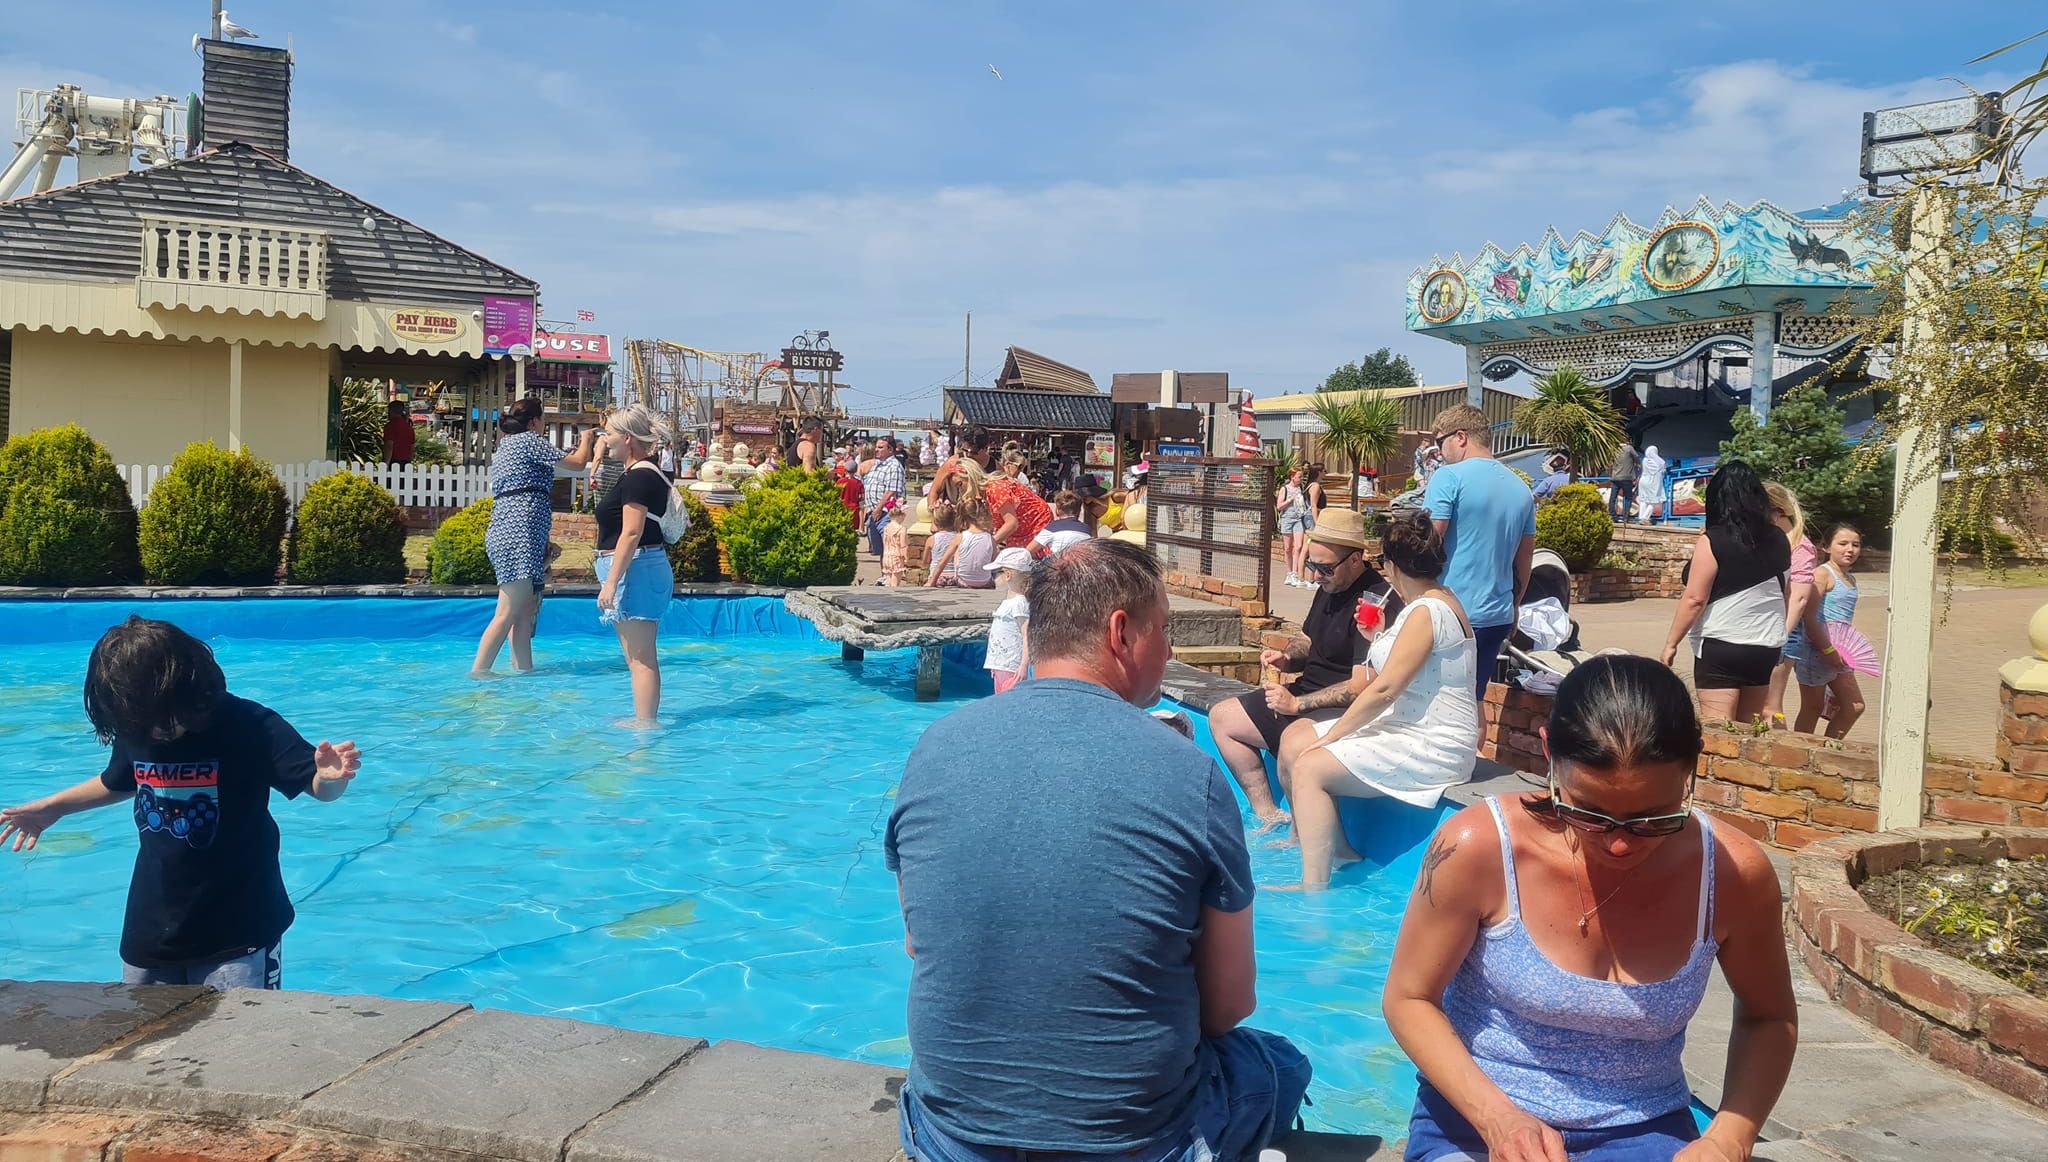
(1793, 789)
(1660, 556)
(1511, 718)
(1238, 663)
(1938, 1006)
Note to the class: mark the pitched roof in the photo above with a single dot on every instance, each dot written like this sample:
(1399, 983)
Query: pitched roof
(92, 229)
(1029, 369)
(1305, 400)
(1032, 411)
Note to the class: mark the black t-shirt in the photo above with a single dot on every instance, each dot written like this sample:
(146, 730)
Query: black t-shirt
(1737, 567)
(1334, 643)
(207, 885)
(642, 486)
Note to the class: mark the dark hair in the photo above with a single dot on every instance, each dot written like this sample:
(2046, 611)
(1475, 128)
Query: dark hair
(1620, 709)
(520, 416)
(1312, 473)
(1736, 502)
(147, 678)
(975, 438)
(1411, 542)
(396, 409)
(1067, 502)
(1073, 595)
(1837, 529)
(889, 440)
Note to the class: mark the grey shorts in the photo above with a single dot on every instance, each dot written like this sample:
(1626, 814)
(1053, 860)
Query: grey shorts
(259, 968)
(1296, 520)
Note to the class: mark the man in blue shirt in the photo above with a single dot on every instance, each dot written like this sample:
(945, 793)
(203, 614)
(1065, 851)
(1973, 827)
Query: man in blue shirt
(1077, 900)
(1487, 518)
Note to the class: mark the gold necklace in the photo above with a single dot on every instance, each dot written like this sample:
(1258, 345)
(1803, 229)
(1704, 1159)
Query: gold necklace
(1584, 883)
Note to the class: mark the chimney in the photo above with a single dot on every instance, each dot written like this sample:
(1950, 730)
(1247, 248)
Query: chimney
(247, 92)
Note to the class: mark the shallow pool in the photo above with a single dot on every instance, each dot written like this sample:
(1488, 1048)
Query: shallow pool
(507, 845)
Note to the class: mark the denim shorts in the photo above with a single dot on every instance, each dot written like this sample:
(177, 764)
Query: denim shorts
(1250, 1093)
(1809, 666)
(1437, 1132)
(645, 592)
(1296, 520)
(258, 968)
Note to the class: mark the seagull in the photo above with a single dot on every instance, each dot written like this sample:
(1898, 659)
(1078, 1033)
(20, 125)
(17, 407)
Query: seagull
(196, 38)
(998, 72)
(229, 30)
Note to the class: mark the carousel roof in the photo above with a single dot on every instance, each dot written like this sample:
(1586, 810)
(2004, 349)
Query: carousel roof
(1706, 262)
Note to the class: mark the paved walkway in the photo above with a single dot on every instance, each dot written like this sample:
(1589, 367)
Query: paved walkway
(1984, 629)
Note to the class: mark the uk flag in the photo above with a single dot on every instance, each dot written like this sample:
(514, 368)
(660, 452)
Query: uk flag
(586, 316)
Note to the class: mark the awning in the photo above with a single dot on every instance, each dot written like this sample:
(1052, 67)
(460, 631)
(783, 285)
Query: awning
(1032, 411)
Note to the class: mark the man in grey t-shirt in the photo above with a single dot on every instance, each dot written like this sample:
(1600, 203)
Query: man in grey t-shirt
(1077, 900)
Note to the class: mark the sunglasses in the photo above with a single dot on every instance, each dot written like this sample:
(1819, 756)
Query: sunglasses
(1322, 570)
(1437, 440)
(1596, 823)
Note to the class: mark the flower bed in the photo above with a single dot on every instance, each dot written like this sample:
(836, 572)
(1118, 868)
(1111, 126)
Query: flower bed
(1993, 915)
(1936, 1004)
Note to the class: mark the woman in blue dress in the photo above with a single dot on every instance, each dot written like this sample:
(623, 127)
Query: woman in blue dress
(522, 481)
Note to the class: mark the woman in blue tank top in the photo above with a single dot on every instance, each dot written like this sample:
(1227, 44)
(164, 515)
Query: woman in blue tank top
(1558, 943)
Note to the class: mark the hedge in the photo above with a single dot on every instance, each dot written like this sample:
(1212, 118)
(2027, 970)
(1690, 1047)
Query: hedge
(457, 555)
(1575, 525)
(347, 532)
(217, 518)
(65, 514)
(790, 529)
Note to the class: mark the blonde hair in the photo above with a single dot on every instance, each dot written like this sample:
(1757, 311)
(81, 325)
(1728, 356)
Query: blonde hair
(1016, 459)
(641, 425)
(1785, 503)
(1462, 418)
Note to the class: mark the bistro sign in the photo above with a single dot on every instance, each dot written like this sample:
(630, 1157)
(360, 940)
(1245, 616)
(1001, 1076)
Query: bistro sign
(425, 324)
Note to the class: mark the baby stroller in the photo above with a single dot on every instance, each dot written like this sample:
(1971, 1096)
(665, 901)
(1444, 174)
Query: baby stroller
(1546, 639)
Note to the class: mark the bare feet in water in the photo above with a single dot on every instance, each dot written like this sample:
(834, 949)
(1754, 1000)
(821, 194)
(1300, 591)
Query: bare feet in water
(1273, 822)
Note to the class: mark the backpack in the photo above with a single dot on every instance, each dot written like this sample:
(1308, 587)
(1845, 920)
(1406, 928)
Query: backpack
(675, 519)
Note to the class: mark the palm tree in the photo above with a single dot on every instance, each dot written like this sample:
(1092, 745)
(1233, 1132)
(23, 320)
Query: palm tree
(1360, 426)
(1571, 412)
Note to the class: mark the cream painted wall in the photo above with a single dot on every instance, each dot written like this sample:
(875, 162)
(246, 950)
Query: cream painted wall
(145, 399)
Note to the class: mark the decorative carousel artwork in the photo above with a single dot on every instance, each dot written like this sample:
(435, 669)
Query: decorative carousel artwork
(1443, 296)
(1727, 248)
(1681, 255)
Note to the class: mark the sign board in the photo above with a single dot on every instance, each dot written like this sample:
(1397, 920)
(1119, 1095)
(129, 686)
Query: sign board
(1178, 451)
(425, 324)
(1134, 387)
(751, 428)
(572, 347)
(1101, 451)
(812, 359)
(508, 323)
(1204, 387)
(1931, 137)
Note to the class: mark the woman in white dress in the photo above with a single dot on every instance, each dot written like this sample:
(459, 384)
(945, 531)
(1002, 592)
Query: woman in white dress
(1413, 732)
(1650, 486)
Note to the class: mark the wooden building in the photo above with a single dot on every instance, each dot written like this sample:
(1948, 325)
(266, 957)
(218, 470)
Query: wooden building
(220, 296)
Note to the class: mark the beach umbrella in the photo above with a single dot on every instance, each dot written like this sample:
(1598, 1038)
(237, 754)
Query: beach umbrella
(1247, 430)
(1854, 649)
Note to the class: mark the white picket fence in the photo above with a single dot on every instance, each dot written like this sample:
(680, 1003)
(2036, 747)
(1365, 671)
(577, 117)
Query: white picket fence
(412, 485)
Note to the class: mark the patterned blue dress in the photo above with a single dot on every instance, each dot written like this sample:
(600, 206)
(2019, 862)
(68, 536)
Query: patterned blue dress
(522, 474)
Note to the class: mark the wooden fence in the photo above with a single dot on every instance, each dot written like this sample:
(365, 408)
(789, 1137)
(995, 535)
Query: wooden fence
(412, 485)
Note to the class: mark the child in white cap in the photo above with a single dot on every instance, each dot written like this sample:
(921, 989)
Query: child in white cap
(1009, 636)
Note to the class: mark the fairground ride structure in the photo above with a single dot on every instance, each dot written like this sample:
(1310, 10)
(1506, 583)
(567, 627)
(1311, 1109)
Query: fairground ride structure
(102, 132)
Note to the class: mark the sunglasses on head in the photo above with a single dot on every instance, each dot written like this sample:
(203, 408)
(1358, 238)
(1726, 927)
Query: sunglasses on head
(1597, 823)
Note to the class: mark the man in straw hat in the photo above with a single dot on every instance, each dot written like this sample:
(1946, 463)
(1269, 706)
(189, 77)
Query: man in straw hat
(1327, 661)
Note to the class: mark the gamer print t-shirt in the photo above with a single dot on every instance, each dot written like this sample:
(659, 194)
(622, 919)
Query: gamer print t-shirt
(207, 885)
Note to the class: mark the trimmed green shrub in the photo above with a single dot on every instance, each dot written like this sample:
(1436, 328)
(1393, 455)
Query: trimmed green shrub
(695, 557)
(1574, 524)
(457, 555)
(65, 514)
(347, 532)
(216, 519)
(791, 530)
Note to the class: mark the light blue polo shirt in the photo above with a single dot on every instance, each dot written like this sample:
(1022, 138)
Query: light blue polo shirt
(1490, 510)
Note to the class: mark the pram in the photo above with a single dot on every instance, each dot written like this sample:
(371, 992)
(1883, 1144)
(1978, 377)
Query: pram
(1549, 580)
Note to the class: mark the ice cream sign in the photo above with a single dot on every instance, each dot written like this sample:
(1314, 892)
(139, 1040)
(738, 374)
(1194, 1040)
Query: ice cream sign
(425, 324)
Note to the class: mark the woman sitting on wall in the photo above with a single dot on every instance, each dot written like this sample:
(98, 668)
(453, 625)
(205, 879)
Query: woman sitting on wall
(522, 484)
(1558, 941)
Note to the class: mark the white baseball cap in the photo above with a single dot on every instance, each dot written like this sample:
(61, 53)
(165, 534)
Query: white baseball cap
(1018, 560)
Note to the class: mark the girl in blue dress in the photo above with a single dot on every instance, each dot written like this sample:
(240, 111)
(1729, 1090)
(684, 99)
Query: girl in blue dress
(522, 482)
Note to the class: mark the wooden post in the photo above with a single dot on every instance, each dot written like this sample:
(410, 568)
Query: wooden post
(930, 660)
(848, 652)
(1909, 635)
(235, 396)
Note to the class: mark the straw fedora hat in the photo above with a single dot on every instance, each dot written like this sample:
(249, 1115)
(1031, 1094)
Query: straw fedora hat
(1339, 526)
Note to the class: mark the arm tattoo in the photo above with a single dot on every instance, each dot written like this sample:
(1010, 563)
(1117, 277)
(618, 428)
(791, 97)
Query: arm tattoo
(1297, 650)
(1440, 849)
(1326, 699)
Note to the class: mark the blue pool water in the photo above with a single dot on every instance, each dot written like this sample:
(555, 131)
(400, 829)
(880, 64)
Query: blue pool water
(508, 845)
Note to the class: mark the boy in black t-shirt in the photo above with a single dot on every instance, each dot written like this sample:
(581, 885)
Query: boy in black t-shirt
(207, 904)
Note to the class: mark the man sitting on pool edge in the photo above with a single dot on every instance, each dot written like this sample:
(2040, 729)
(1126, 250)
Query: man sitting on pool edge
(1079, 909)
(1329, 661)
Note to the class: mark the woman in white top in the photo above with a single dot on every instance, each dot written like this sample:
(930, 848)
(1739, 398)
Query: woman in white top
(1413, 732)
(1733, 610)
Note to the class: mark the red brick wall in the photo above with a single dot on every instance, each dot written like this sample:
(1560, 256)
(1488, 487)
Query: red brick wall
(1508, 736)
(1935, 1005)
(1792, 789)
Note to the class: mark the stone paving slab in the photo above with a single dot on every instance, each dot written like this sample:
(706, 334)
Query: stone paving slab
(250, 1054)
(741, 1103)
(499, 1084)
(1982, 1130)
(46, 1026)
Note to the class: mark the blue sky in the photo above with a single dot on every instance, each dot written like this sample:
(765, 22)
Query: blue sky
(1208, 186)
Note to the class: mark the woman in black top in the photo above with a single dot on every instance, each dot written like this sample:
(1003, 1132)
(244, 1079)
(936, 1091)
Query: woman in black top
(632, 557)
(1735, 596)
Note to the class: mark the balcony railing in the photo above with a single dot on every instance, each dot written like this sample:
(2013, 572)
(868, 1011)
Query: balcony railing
(239, 266)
